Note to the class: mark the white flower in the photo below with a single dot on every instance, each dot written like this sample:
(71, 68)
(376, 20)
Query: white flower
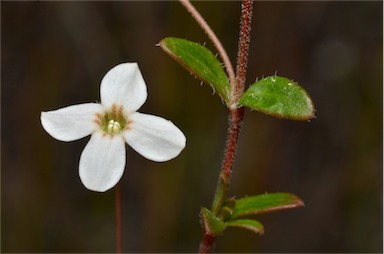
(112, 123)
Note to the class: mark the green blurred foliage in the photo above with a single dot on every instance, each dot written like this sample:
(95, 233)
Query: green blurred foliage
(55, 54)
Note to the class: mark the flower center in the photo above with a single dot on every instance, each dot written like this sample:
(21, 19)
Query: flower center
(113, 121)
(113, 127)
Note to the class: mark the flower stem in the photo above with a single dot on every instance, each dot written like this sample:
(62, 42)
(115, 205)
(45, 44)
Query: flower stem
(235, 121)
(118, 218)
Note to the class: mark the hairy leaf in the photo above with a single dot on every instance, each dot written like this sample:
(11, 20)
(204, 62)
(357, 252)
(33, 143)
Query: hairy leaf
(200, 61)
(265, 203)
(252, 225)
(279, 96)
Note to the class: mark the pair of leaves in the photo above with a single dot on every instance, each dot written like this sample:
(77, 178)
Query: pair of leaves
(216, 224)
(277, 96)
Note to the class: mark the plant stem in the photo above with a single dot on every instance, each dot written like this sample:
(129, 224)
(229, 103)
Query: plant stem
(236, 115)
(216, 42)
(206, 244)
(244, 40)
(118, 218)
(235, 120)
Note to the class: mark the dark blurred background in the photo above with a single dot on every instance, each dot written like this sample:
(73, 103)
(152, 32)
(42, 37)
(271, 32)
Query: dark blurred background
(54, 54)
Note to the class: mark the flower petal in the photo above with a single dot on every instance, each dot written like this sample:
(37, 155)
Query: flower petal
(124, 85)
(72, 122)
(154, 137)
(102, 162)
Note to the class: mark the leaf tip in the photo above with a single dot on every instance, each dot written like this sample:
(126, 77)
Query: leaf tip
(300, 202)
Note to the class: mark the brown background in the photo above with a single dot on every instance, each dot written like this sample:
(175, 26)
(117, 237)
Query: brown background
(54, 54)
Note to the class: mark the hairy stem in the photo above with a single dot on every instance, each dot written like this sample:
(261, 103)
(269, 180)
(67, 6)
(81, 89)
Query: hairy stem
(244, 40)
(206, 244)
(216, 42)
(235, 121)
(118, 218)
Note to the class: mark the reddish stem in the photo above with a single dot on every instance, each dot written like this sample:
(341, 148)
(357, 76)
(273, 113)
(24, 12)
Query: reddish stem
(118, 219)
(244, 40)
(206, 244)
(235, 120)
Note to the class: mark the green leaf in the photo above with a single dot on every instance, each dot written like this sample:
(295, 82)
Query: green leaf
(252, 225)
(265, 203)
(200, 61)
(212, 224)
(279, 96)
(227, 209)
